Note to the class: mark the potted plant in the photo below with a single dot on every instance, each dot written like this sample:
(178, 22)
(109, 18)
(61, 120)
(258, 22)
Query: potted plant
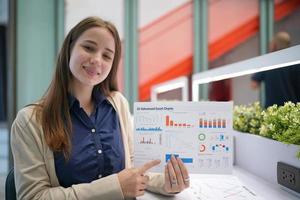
(265, 137)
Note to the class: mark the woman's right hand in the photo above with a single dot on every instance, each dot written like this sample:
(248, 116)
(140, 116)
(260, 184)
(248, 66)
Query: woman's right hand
(133, 181)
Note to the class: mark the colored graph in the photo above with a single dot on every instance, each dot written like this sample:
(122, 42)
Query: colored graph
(219, 147)
(155, 129)
(202, 147)
(201, 136)
(150, 139)
(148, 119)
(145, 141)
(212, 123)
(219, 137)
(172, 123)
(196, 132)
(184, 160)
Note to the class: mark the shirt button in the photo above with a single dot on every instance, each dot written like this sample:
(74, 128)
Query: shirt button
(99, 151)
(100, 176)
(93, 130)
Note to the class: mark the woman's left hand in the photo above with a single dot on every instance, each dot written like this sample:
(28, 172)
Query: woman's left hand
(176, 176)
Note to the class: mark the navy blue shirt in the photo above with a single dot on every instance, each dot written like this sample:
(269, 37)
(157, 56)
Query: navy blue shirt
(97, 147)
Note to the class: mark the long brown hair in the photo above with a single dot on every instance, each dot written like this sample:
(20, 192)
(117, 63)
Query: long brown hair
(53, 109)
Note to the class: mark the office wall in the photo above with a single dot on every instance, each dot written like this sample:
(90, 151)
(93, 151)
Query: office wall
(3, 67)
(36, 48)
(76, 10)
(113, 10)
(151, 11)
(3, 11)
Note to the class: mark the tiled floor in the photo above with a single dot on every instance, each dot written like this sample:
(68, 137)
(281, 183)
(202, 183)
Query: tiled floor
(3, 158)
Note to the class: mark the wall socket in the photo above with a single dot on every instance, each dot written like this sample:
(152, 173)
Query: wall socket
(288, 176)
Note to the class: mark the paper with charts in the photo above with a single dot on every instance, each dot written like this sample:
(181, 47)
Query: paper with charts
(198, 132)
(211, 187)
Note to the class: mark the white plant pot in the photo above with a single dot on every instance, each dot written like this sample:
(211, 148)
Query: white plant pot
(259, 155)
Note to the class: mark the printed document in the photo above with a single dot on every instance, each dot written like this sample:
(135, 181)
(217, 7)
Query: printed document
(197, 132)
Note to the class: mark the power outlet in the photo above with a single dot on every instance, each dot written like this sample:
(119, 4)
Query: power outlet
(288, 176)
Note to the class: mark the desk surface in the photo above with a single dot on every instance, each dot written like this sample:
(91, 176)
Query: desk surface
(263, 189)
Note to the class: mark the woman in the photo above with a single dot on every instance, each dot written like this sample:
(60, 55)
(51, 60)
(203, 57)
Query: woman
(76, 142)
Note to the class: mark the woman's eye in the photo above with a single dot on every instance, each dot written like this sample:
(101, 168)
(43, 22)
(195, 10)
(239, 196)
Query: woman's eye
(107, 57)
(88, 48)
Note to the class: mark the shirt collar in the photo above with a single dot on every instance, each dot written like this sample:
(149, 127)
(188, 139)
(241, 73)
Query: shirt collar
(72, 100)
(97, 96)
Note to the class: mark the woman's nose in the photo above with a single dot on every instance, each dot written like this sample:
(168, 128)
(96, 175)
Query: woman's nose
(96, 59)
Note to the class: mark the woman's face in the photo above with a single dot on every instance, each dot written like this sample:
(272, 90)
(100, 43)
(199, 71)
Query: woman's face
(92, 56)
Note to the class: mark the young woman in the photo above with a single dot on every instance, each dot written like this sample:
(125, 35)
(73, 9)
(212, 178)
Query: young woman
(76, 142)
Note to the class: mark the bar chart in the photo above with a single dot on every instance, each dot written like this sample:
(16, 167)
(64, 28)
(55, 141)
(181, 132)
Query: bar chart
(196, 132)
(171, 123)
(212, 123)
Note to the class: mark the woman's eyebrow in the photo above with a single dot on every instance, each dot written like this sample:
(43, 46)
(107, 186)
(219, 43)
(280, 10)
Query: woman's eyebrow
(95, 43)
(91, 41)
(108, 49)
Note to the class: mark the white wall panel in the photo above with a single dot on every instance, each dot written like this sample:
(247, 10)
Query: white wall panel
(111, 10)
(150, 10)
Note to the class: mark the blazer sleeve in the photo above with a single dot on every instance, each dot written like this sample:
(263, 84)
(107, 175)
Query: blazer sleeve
(129, 121)
(32, 180)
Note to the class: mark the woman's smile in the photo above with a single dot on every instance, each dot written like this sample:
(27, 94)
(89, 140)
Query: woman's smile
(91, 71)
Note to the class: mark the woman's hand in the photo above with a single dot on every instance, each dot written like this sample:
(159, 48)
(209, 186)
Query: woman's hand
(133, 181)
(176, 176)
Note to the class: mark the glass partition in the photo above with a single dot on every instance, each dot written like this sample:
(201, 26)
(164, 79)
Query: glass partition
(240, 73)
(288, 20)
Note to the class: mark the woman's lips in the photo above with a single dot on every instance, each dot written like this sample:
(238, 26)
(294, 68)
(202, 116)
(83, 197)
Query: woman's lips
(91, 71)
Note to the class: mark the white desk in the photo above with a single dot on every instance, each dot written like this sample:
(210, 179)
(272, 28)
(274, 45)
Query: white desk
(262, 188)
(267, 190)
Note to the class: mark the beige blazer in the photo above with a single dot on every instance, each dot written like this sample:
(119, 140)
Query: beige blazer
(35, 175)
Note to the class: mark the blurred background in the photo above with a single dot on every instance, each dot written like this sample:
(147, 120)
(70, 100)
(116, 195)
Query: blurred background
(164, 42)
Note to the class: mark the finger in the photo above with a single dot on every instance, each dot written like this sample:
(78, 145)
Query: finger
(140, 193)
(167, 180)
(184, 172)
(172, 175)
(142, 187)
(145, 179)
(177, 170)
(148, 166)
(167, 176)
